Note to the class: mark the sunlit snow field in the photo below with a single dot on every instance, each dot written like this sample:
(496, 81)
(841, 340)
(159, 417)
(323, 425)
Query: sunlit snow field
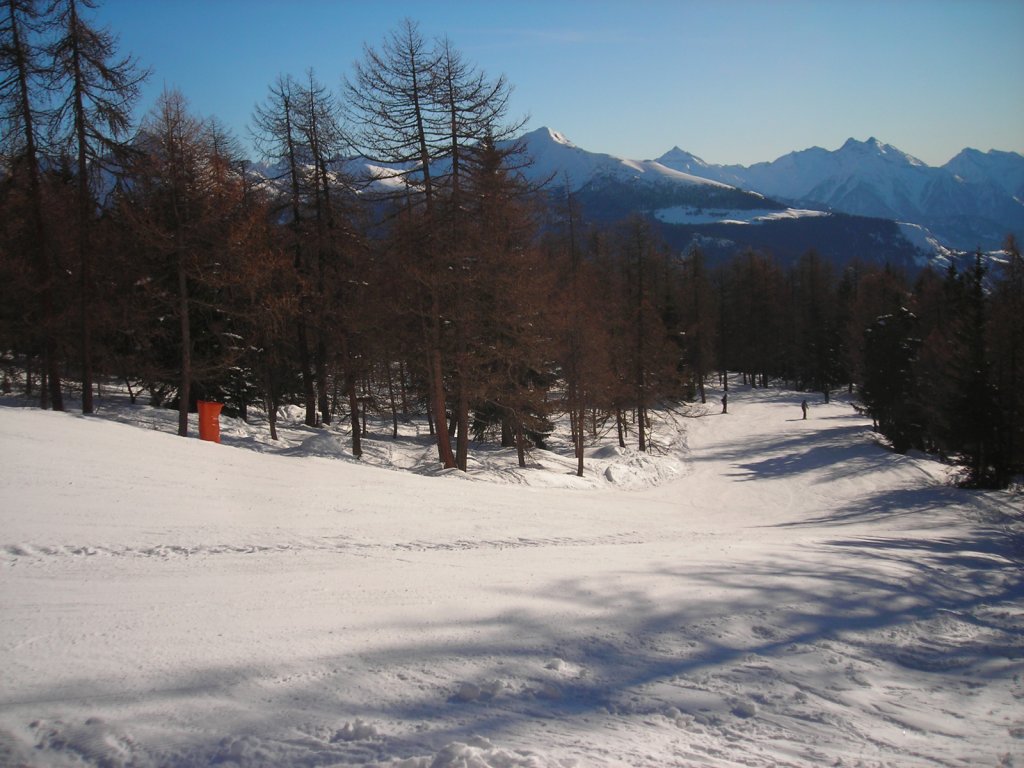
(759, 590)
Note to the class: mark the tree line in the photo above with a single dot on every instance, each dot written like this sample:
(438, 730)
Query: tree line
(442, 284)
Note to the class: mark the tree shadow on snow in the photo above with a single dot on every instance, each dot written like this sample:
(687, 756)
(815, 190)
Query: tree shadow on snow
(835, 450)
(855, 591)
(619, 647)
(925, 505)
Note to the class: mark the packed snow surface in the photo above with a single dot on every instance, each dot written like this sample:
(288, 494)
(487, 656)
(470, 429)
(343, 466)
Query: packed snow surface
(759, 590)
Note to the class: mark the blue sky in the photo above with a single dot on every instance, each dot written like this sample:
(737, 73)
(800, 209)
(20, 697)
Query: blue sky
(733, 81)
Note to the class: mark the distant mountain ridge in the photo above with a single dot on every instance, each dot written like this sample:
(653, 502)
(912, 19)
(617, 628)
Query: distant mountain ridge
(973, 201)
(1005, 169)
(692, 203)
(556, 155)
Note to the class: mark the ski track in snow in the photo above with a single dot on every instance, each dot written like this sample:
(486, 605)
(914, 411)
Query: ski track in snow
(760, 591)
(18, 553)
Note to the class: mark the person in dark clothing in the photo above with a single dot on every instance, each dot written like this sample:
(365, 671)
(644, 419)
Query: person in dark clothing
(803, 407)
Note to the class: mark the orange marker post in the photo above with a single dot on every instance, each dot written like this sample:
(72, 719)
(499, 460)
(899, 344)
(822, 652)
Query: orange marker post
(209, 420)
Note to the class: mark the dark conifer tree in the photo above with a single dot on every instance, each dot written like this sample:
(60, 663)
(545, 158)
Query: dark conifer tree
(181, 207)
(422, 108)
(278, 139)
(974, 417)
(889, 387)
(938, 301)
(1006, 322)
(813, 330)
(507, 359)
(699, 322)
(23, 77)
(92, 120)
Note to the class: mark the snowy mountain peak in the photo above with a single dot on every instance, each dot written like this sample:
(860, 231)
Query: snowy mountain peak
(995, 167)
(549, 135)
(875, 148)
(682, 160)
(556, 157)
(853, 145)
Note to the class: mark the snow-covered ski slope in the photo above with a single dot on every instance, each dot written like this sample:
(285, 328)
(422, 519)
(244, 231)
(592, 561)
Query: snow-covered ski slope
(762, 591)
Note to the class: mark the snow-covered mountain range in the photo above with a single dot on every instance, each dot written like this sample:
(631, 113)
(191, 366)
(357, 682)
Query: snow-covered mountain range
(556, 156)
(865, 201)
(974, 200)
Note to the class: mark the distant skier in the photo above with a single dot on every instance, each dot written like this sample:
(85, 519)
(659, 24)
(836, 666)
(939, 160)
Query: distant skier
(803, 407)
(725, 403)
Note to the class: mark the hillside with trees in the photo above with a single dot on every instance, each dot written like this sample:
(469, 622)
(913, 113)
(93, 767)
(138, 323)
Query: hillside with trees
(450, 286)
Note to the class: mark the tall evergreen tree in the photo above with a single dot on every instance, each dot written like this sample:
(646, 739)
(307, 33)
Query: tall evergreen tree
(423, 108)
(974, 417)
(22, 78)
(393, 106)
(889, 386)
(278, 138)
(505, 361)
(1006, 334)
(318, 119)
(814, 328)
(938, 301)
(92, 119)
(181, 208)
(699, 321)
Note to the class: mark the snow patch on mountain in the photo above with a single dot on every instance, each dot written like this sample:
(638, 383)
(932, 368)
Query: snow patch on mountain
(931, 248)
(688, 215)
(558, 138)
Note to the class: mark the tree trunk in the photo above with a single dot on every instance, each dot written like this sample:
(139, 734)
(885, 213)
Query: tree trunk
(641, 425)
(44, 390)
(391, 400)
(51, 389)
(323, 401)
(185, 389)
(364, 407)
(353, 399)
(272, 405)
(444, 445)
(403, 390)
(50, 392)
(306, 371)
(462, 425)
(84, 217)
(520, 442)
(85, 321)
(353, 405)
(579, 443)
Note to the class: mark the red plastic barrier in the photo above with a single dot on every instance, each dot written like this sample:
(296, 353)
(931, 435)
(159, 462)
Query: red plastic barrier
(209, 420)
